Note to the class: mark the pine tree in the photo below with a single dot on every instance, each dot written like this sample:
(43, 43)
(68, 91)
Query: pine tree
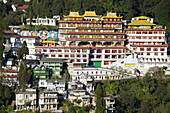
(23, 51)
(100, 103)
(20, 72)
(7, 93)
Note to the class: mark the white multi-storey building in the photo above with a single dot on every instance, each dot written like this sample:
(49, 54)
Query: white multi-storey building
(16, 42)
(148, 41)
(88, 39)
(48, 100)
(42, 21)
(58, 86)
(22, 97)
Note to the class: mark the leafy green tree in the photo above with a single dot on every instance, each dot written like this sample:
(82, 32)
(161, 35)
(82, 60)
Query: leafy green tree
(9, 109)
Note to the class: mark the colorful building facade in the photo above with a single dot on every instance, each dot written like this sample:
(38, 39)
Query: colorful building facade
(148, 41)
(88, 39)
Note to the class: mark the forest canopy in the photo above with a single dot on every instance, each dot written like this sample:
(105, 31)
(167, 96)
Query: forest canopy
(157, 9)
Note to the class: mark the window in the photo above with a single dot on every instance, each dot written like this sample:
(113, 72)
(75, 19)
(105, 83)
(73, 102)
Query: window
(66, 50)
(78, 60)
(99, 56)
(148, 53)
(107, 51)
(42, 106)
(91, 56)
(72, 55)
(84, 50)
(114, 51)
(148, 49)
(162, 54)
(156, 53)
(44, 50)
(72, 60)
(84, 55)
(99, 51)
(46, 55)
(162, 49)
(52, 55)
(59, 50)
(107, 56)
(113, 56)
(91, 51)
(106, 63)
(84, 60)
(54, 106)
(59, 55)
(141, 49)
(78, 55)
(66, 55)
(155, 49)
(78, 50)
(138, 32)
(73, 50)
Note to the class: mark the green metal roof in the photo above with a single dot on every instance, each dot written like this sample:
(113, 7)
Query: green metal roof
(51, 60)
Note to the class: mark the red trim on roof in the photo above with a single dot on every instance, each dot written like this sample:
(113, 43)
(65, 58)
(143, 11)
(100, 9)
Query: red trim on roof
(144, 29)
(29, 36)
(9, 76)
(63, 47)
(149, 45)
(9, 71)
(84, 47)
(109, 48)
(90, 33)
(93, 28)
(18, 6)
(67, 21)
(9, 32)
(25, 36)
(95, 39)
(110, 22)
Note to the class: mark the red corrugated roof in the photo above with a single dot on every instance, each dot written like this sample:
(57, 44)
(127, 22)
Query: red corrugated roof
(18, 6)
(25, 36)
(9, 32)
(9, 71)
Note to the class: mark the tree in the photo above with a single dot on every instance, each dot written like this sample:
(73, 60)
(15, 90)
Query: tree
(1, 53)
(23, 51)
(9, 109)
(24, 74)
(67, 74)
(20, 72)
(100, 103)
(7, 95)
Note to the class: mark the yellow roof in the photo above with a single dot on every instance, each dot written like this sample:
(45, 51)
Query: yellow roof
(141, 22)
(74, 14)
(142, 17)
(48, 41)
(90, 13)
(111, 15)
